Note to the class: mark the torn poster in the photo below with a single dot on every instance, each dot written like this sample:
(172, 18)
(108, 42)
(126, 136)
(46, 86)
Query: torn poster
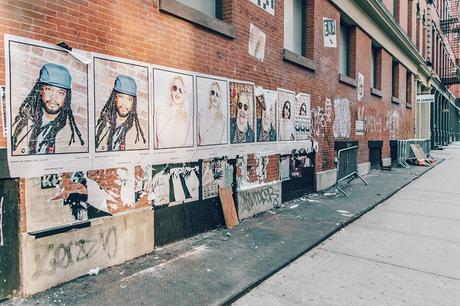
(257, 40)
(330, 33)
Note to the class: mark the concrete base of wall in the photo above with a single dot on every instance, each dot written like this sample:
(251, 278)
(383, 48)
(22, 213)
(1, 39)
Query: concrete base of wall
(364, 168)
(325, 179)
(52, 260)
(386, 162)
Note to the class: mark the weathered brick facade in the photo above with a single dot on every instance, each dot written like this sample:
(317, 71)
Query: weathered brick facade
(141, 31)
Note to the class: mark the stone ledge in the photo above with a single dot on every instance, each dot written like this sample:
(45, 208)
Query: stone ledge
(348, 80)
(376, 92)
(299, 60)
(185, 12)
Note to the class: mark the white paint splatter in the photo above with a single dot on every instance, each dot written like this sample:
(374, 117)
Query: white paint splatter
(342, 119)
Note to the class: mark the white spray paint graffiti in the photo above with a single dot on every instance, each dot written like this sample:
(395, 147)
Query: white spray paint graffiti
(342, 120)
(377, 123)
(321, 117)
(1, 222)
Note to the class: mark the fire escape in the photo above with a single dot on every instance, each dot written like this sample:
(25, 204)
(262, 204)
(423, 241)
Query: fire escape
(450, 26)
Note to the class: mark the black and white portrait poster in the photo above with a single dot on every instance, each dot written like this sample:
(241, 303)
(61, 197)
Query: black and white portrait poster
(212, 101)
(266, 118)
(48, 107)
(286, 104)
(174, 184)
(174, 112)
(121, 106)
(302, 116)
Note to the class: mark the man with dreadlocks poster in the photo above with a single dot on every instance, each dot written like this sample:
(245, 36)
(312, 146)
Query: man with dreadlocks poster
(44, 113)
(118, 117)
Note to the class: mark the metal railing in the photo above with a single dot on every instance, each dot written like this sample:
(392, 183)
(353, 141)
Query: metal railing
(404, 151)
(347, 166)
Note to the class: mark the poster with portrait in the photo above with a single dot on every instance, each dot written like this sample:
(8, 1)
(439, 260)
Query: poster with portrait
(212, 117)
(241, 112)
(121, 105)
(286, 108)
(266, 116)
(47, 92)
(174, 184)
(302, 116)
(174, 111)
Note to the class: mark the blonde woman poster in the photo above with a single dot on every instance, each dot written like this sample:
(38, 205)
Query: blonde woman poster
(173, 104)
(212, 111)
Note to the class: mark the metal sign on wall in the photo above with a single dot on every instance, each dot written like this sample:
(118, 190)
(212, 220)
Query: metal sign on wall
(427, 98)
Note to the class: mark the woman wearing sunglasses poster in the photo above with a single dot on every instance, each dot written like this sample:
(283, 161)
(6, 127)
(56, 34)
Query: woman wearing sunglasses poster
(212, 111)
(173, 110)
(242, 119)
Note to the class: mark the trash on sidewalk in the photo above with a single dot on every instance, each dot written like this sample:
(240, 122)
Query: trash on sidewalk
(94, 271)
(294, 206)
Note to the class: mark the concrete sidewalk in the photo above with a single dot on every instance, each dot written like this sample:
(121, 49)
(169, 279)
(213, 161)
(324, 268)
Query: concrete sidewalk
(406, 251)
(218, 266)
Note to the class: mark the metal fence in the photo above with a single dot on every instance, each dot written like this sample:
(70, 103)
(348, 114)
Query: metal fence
(347, 166)
(404, 152)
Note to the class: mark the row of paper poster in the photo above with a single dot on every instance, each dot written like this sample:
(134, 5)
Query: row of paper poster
(64, 115)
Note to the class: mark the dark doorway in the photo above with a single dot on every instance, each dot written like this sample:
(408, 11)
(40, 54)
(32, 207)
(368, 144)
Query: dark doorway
(375, 154)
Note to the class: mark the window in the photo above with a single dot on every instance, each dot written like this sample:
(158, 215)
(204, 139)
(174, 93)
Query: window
(298, 29)
(205, 6)
(294, 26)
(375, 67)
(344, 50)
(395, 80)
(409, 86)
(207, 13)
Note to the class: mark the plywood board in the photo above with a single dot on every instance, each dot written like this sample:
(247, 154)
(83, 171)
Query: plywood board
(228, 207)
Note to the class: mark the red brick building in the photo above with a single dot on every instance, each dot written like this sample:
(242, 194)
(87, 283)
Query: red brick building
(361, 62)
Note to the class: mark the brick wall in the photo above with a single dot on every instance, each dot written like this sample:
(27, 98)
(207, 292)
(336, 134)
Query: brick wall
(138, 30)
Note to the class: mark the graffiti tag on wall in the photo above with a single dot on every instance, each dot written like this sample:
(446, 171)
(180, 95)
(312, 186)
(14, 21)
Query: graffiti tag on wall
(320, 117)
(254, 201)
(342, 120)
(60, 256)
